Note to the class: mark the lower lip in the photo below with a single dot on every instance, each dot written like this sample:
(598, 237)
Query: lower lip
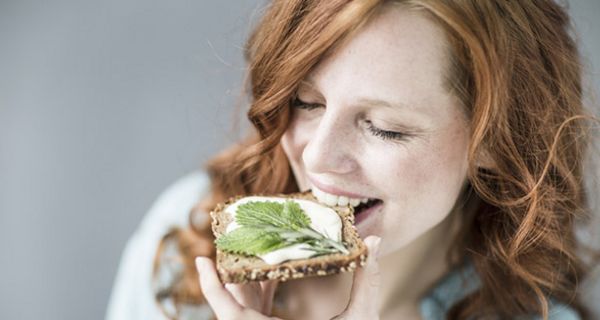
(366, 213)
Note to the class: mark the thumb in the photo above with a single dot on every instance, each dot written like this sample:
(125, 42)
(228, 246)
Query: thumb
(364, 297)
(268, 288)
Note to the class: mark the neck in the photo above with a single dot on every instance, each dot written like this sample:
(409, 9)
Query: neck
(411, 271)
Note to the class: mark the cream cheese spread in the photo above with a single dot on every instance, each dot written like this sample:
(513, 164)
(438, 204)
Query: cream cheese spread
(322, 219)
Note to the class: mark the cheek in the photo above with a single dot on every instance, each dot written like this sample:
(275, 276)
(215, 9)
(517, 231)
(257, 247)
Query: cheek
(442, 165)
(293, 142)
(425, 183)
(441, 175)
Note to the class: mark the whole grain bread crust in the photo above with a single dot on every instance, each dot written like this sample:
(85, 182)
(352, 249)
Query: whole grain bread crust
(233, 268)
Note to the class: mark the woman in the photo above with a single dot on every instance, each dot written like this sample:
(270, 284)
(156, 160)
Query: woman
(464, 119)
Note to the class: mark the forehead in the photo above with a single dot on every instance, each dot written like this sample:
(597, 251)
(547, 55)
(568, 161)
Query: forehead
(399, 56)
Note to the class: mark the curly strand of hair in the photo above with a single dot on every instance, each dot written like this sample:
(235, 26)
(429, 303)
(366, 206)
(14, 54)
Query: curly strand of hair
(524, 240)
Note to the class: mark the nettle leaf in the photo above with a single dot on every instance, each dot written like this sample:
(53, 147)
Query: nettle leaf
(250, 241)
(288, 215)
(293, 212)
(256, 214)
(267, 225)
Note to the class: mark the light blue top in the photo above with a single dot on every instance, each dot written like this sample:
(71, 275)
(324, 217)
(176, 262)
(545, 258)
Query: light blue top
(461, 282)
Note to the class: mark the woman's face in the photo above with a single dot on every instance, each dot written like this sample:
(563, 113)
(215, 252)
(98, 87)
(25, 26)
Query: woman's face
(377, 122)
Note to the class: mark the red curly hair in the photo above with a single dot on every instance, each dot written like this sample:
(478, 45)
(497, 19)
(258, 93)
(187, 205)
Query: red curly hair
(516, 69)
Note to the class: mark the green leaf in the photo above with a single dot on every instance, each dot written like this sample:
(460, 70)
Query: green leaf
(256, 214)
(295, 214)
(250, 241)
(267, 225)
(288, 215)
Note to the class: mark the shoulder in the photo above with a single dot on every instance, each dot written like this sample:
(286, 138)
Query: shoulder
(456, 285)
(173, 205)
(132, 296)
(462, 281)
(556, 311)
(559, 311)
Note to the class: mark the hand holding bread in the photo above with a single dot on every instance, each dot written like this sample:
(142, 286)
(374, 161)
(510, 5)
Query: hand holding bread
(263, 240)
(363, 298)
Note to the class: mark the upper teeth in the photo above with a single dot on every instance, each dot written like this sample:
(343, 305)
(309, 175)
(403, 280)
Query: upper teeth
(333, 200)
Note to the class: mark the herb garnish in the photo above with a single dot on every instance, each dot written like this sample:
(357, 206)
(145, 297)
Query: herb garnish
(266, 226)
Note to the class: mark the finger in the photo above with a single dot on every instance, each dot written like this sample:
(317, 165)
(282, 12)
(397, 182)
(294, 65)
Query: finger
(247, 294)
(268, 289)
(367, 280)
(220, 300)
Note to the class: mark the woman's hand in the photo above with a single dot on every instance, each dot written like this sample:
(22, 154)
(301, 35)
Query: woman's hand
(255, 295)
(254, 300)
(364, 297)
(235, 301)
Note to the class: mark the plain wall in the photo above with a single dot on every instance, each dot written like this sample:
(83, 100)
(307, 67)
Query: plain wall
(102, 105)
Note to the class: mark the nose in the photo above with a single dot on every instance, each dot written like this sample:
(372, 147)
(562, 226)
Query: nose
(331, 147)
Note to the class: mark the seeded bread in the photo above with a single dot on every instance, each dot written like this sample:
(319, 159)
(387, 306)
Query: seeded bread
(233, 268)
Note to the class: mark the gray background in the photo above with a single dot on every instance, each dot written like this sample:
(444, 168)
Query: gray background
(102, 105)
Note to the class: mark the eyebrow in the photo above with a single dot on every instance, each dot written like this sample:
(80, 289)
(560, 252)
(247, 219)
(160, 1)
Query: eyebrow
(371, 102)
(366, 101)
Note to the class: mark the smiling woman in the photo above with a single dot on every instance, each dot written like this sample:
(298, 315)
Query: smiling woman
(348, 146)
(456, 129)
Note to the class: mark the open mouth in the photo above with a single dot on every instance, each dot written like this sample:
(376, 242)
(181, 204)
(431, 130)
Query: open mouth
(360, 205)
(364, 206)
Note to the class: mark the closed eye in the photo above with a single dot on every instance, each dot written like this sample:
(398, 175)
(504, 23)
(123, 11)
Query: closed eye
(384, 134)
(380, 133)
(299, 104)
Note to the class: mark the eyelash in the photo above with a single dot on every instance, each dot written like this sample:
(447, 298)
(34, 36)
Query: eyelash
(383, 134)
(299, 104)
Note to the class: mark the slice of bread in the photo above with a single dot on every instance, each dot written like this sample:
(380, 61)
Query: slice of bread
(234, 268)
